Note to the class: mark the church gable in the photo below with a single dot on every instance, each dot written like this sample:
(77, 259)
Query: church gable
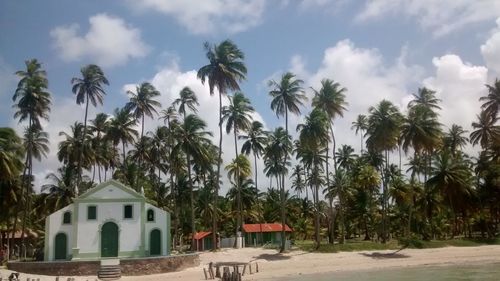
(111, 190)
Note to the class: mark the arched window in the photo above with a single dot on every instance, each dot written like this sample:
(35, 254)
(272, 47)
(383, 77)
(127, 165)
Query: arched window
(151, 215)
(67, 218)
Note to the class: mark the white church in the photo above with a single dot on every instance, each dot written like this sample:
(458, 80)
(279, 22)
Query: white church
(109, 220)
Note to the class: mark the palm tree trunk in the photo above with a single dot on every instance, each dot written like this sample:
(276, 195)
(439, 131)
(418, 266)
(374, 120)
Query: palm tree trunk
(80, 155)
(191, 194)
(283, 212)
(238, 187)
(316, 217)
(19, 202)
(123, 149)
(330, 240)
(216, 191)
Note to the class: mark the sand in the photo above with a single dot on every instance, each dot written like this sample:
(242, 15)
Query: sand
(273, 265)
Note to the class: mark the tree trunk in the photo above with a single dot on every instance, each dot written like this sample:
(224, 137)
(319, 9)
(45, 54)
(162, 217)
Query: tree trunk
(216, 191)
(283, 212)
(191, 195)
(238, 183)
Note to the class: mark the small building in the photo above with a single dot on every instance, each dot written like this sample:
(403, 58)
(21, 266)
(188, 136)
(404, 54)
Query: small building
(263, 233)
(203, 241)
(109, 220)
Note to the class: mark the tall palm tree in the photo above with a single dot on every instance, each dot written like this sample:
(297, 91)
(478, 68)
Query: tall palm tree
(314, 135)
(486, 131)
(360, 126)
(255, 140)
(142, 102)
(492, 101)
(383, 134)
(237, 116)
(331, 99)
(11, 153)
(87, 89)
(224, 71)
(121, 129)
(287, 96)
(192, 140)
(33, 103)
(298, 179)
(278, 147)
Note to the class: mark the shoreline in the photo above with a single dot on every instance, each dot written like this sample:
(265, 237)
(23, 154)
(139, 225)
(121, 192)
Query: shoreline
(273, 265)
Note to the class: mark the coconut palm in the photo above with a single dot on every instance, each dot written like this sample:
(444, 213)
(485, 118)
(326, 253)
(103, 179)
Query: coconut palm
(187, 98)
(331, 99)
(486, 131)
(255, 140)
(11, 153)
(360, 126)
(287, 96)
(142, 102)
(100, 143)
(87, 89)
(314, 136)
(383, 134)
(298, 179)
(224, 71)
(426, 98)
(492, 101)
(121, 129)
(454, 139)
(237, 116)
(191, 140)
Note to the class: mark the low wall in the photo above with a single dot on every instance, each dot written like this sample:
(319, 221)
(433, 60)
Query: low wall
(134, 266)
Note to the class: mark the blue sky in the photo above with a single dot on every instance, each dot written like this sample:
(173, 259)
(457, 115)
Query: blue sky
(376, 49)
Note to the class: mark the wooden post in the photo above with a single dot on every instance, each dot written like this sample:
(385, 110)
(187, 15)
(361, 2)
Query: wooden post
(256, 267)
(205, 273)
(250, 267)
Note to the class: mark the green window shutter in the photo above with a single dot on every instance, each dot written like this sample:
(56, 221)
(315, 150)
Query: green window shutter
(67, 218)
(91, 212)
(127, 211)
(151, 215)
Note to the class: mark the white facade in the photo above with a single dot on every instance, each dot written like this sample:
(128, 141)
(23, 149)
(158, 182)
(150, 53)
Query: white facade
(110, 220)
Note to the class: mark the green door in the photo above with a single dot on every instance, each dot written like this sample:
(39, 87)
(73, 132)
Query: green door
(61, 246)
(109, 240)
(155, 243)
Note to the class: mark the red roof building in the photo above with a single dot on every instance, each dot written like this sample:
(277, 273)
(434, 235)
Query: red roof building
(203, 240)
(264, 227)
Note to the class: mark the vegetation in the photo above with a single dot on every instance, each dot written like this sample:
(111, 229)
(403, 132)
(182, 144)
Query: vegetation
(360, 201)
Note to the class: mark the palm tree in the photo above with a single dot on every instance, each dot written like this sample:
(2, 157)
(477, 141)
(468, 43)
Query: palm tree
(255, 140)
(314, 136)
(287, 95)
(187, 98)
(224, 71)
(87, 89)
(298, 179)
(11, 153)
(278, 147)
(383, 134)
(486, 132)
(492, 101)
(33, 103)
(454, 139)
(100, 126)
(142, 102)
(121, 129)
(360, 126)
(238, 170)
(237, 117)
(191, 139)
(331, 99)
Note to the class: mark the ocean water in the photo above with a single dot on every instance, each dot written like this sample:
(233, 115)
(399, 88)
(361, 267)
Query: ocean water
(484, 272)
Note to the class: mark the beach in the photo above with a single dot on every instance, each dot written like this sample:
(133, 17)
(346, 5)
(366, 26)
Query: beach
(273, 265)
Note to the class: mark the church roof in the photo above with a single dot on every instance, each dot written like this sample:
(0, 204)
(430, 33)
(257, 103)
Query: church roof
(114, 183)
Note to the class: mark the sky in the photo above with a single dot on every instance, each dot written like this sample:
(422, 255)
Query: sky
(376, 49)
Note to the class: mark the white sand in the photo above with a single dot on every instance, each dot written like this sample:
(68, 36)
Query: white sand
(273, 265)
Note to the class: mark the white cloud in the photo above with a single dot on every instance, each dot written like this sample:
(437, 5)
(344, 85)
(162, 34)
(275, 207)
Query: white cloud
(208, 16)
(441, 17)
(110, 41)
(459, 85)
(491, 50)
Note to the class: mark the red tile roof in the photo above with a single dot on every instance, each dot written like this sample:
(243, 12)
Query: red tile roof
(201, 234)
(264, 227)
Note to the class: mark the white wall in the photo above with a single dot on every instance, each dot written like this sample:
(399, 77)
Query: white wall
(55, 226)
(159, 223)
(89, 230)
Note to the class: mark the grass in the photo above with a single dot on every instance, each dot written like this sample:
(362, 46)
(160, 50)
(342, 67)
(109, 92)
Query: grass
(359, 245)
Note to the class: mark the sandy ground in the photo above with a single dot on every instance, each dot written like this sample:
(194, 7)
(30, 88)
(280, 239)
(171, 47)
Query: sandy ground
(273, 265)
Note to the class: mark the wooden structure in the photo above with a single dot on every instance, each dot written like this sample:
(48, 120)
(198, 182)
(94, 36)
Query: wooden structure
(231, 271)
(203, 240)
